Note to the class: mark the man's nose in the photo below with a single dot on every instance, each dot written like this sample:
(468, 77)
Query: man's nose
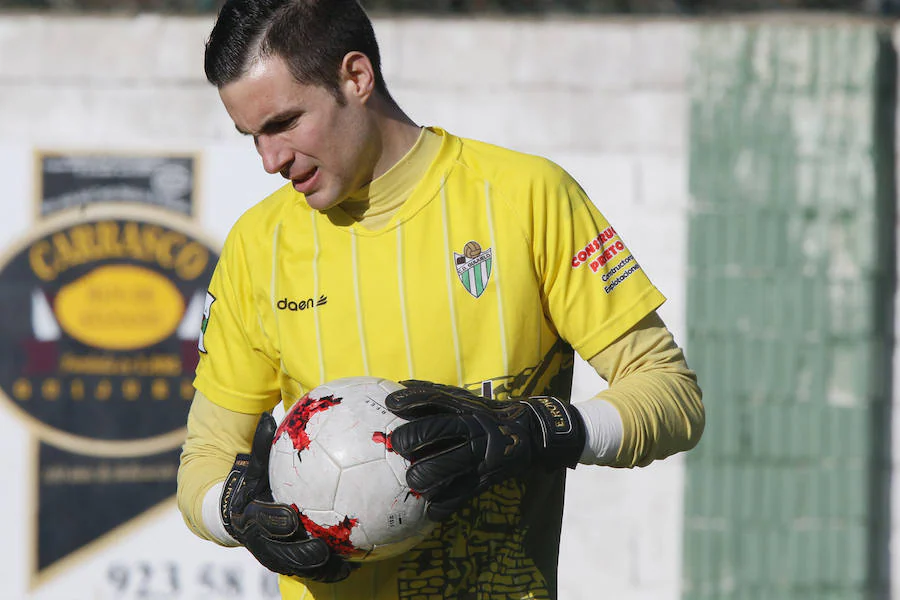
(275, 154)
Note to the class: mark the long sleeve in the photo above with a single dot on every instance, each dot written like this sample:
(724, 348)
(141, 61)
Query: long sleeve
(214, 436)
(654, 391)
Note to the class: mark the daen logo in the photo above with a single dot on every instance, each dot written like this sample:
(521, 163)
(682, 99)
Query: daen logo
(303, 304)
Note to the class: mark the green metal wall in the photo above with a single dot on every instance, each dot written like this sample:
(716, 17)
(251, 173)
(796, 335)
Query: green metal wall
(790, 282)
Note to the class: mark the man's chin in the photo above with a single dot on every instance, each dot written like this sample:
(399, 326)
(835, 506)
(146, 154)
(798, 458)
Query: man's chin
(321, 202)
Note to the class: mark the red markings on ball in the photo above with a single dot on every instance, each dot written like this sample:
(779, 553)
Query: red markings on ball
(295, 422)
(336, 536)
(379, 437)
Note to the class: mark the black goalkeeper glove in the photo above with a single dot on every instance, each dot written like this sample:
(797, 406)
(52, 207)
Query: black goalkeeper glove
(460, 444)
(272, 532)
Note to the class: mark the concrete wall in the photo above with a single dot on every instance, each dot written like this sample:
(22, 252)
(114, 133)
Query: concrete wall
(605, 99)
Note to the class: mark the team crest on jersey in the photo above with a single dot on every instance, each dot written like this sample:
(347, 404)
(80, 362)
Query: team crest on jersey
(207, 308)
(473, 267)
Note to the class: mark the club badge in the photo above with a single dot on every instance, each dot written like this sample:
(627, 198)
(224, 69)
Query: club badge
(473, 267)
(207, 308)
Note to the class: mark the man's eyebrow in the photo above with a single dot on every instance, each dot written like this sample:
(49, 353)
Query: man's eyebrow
(273, 124)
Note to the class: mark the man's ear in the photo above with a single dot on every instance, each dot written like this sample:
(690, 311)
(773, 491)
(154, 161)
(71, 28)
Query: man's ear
(357, 76)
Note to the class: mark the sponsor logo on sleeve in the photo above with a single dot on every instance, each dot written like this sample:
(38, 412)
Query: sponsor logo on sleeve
(600, 251)
(622, 274)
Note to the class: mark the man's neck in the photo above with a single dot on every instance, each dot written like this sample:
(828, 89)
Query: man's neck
(398, 134)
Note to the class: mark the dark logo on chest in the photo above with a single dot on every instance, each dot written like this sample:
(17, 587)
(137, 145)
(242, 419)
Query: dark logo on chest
(297, 304)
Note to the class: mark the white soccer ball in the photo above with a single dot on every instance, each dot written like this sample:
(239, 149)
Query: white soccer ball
(331, 461)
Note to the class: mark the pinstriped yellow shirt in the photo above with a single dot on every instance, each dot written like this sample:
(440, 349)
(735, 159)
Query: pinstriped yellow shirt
(491, 272)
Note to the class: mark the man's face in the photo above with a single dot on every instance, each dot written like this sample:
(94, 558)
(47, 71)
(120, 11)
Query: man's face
(325, 148)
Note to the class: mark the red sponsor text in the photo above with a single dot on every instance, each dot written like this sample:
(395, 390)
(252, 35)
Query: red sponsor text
(593, 247)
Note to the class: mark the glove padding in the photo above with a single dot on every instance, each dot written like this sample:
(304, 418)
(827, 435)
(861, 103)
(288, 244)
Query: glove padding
(460, 444)
(272, 532)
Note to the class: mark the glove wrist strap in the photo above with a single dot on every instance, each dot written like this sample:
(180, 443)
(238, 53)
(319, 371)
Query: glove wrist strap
(562, 431)
(235, 476)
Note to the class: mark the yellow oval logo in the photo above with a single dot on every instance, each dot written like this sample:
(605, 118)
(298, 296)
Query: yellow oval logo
(120, 307)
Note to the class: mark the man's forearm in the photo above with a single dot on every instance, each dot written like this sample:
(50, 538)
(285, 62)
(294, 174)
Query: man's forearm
(215, 436)
(653, 393)
(661, 414)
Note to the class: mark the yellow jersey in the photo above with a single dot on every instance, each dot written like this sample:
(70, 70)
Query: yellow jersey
(495, 268)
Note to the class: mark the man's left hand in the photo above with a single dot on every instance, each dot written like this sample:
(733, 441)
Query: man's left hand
(460, 444)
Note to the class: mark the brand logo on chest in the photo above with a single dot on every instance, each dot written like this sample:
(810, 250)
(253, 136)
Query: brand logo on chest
(298, 304)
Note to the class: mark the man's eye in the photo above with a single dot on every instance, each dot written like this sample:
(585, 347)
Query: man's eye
(285, 125)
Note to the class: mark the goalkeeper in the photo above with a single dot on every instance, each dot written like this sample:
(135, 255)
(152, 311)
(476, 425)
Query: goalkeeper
(471, 272)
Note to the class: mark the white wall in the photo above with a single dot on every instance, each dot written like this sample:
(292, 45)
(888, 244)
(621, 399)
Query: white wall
(605, 99)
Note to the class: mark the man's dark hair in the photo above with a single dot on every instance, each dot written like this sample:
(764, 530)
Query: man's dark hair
(311, 36)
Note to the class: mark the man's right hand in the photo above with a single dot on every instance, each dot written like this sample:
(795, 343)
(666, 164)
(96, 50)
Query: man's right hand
(272, 532)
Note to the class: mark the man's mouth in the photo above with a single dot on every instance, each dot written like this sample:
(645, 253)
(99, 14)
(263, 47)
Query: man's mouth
(306, 182)
(304, 177)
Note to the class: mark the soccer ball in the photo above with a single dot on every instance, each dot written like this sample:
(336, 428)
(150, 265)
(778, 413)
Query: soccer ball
(331, 460)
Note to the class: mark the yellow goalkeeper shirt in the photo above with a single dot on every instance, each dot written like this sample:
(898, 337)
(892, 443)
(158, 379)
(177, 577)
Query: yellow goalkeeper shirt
(487, 277)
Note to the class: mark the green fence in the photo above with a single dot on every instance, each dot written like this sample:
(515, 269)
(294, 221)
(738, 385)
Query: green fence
(789, 323)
